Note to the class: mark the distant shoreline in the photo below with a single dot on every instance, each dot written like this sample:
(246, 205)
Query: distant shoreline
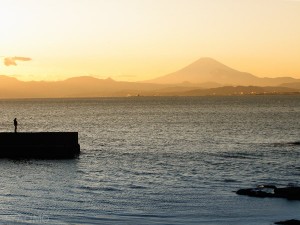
(151, 96)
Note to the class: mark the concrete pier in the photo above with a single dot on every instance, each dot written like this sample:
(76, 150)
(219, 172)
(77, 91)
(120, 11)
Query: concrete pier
(44, 145)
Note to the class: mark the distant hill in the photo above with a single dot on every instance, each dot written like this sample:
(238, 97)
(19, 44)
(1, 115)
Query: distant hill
(206, 76)
(92, 87)
(207, 70)
(77, 87)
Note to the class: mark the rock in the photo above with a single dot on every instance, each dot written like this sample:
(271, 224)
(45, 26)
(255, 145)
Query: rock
(289, 222)
(270, 191)
(291, 193)
(255, 192)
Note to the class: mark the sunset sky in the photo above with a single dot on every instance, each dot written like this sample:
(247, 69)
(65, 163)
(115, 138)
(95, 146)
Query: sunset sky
(141, 39)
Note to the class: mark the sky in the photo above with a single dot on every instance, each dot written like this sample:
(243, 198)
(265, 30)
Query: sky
(142, 39)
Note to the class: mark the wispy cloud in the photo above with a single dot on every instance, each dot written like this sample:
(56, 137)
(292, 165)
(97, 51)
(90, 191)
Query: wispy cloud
(11, 61)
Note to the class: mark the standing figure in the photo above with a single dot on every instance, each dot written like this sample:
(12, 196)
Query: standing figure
(16, 124)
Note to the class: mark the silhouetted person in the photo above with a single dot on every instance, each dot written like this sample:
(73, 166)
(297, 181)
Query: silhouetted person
(16, 124)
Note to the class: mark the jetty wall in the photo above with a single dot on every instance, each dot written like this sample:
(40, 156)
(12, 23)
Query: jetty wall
(39, 145)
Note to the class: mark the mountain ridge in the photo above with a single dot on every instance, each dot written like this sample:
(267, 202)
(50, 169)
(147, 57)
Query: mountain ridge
(88, 87)
(208, 70)
(217, 75)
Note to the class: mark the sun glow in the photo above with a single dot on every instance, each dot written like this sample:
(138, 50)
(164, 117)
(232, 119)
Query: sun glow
(142, 39)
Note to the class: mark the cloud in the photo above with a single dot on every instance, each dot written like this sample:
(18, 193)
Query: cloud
(11, 61)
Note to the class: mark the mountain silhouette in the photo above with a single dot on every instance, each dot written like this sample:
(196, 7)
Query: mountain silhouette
(208, 70)
(206, 76)
(73, 87)
(87, 87)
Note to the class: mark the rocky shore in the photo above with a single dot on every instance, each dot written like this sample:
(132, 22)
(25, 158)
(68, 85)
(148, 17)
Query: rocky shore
(271, 191)
(289, 222)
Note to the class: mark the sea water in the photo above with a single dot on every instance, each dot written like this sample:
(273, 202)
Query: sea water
(155, 160)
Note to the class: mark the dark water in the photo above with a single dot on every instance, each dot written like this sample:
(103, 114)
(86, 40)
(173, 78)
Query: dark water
(155, 161)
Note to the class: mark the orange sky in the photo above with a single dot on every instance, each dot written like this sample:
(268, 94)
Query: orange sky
(142, 39)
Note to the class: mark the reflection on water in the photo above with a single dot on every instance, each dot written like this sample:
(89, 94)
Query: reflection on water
(155, 160)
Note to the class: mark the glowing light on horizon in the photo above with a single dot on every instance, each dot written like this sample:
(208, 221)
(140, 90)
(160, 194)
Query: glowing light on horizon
(142, 39)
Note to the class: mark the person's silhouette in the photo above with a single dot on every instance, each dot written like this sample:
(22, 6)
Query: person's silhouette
(16, 124)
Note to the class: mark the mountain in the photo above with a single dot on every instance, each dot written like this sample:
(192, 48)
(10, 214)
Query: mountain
(206, 76)
(207, 70)
(92, 87)
(78, 87)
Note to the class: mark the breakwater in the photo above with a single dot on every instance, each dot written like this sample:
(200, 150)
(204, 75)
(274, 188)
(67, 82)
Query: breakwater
(47, 145)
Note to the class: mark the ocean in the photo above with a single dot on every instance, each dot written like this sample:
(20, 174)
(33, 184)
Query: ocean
(155, 160)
